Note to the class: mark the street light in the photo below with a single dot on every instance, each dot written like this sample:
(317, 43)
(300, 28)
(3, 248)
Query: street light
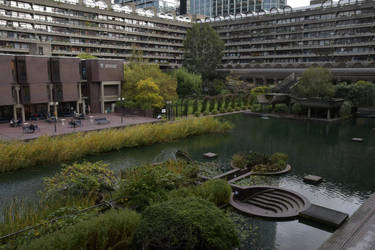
(122, 102)
(55, 113)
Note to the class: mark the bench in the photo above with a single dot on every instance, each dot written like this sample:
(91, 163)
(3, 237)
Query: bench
(75, 124)
(101, 121)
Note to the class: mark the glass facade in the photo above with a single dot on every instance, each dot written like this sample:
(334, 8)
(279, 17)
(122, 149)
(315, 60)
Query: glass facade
(215, 8)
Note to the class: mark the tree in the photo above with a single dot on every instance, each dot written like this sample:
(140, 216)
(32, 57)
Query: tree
(148, 94)
(188, 84)
(138, 71)
(86, 56)
(203, 50)
(315, 82)
(362, 93)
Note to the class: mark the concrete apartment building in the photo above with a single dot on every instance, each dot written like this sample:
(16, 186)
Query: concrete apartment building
(71, 27)
(39, 86)
(268, 47)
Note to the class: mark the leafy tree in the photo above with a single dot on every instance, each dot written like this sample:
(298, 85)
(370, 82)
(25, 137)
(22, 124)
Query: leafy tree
(148, 94)
(362, 93)
(203, 50)
(138, 71)
(86, 56)
(188, 84)
(315, 82)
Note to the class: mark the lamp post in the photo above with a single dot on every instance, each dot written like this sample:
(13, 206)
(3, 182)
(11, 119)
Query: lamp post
(169, 110)
(122, 102)
(55, 113)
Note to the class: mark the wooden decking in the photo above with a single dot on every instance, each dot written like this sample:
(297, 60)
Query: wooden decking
(358, 232)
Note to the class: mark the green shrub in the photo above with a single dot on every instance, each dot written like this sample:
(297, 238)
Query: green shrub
(112, 230)
(197, 114)
(147, 184)
(255, 108)
(297, 109)
(279, 158)
(195, 106)
(187, 223)
(258, 91)
(220, 101)
(206, 112)
(214, 112)
(217, 191)
(239, 160)
(204, 105)
(237, 108)
(78, 180)
(212, 104)
(281, 108)
(362, 93)
(229, 110)
(255, 158)
(346, 109)
(223, 110)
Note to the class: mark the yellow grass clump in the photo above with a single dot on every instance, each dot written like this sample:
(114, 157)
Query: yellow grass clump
(52, 150)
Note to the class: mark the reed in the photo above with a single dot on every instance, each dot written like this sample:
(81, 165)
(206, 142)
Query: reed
(52, 150)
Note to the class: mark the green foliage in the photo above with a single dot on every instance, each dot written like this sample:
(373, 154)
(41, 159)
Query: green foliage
(362, 93)
(188, 84)
(188, 223)
(148, 95)
(195, 106)
(145, 185)
(297, 109)
(112, 230)
(239, 160)
(51, 150)
(86, 56)
(186, 107)
(139, 71)
(214, 112)
(220, 101)
(204, 104)
(216, 87)
(315, 82)
(260, 162)
(203, 50)
(86, 179)
(346, 109)
(212, 104)
(197, 114)
(258, 91)
(217, 191)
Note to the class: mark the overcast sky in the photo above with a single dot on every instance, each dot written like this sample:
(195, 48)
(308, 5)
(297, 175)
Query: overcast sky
(298, 3)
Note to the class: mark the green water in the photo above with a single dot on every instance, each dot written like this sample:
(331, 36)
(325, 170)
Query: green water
(323, 149)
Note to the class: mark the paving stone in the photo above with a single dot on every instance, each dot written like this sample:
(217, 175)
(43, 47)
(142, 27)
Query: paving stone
(357, 139)
(326, 216)
(312, 179)
(210, 155)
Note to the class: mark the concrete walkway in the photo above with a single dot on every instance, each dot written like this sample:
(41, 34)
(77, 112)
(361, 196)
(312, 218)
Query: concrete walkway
(62, 126)
(358, 233)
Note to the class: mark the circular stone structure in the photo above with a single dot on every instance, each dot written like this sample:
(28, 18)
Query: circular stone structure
(269, 202)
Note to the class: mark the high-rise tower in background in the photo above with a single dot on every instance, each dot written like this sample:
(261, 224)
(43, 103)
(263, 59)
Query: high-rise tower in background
(160, 5)
(214, 8)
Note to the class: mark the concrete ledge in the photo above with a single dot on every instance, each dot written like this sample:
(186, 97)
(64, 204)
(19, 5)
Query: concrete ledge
(358, 232)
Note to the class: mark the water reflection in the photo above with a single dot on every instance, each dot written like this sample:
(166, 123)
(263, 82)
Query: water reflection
(323, 149)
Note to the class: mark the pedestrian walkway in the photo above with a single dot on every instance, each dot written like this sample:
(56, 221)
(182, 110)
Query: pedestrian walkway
(358, 233)
(8, 133)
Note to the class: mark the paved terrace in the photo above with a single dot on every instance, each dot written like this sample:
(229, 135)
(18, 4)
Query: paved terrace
(358, 233)
(62, 126)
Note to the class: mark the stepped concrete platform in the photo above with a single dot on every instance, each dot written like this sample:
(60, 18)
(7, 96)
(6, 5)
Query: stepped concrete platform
(323, 215)
(210, 155)
(358, 232)
(357, 139)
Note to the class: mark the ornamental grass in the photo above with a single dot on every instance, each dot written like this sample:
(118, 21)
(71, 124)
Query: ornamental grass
(52, 150)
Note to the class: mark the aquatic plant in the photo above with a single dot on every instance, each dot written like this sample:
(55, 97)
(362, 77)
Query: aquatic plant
(259, 162)
(51, 150)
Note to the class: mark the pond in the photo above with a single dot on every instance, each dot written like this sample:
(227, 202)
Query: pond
(323, 149)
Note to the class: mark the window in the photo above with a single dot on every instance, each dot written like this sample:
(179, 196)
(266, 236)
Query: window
(40, 51)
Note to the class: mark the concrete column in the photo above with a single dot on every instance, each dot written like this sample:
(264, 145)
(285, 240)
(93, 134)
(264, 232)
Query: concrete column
(23, 113)
(77, 107)
(49, 108)
(18, 94)
(102, 97)
(329, 114)
(309, 112)
(55, 110)
(84, 107)
(15, 113)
